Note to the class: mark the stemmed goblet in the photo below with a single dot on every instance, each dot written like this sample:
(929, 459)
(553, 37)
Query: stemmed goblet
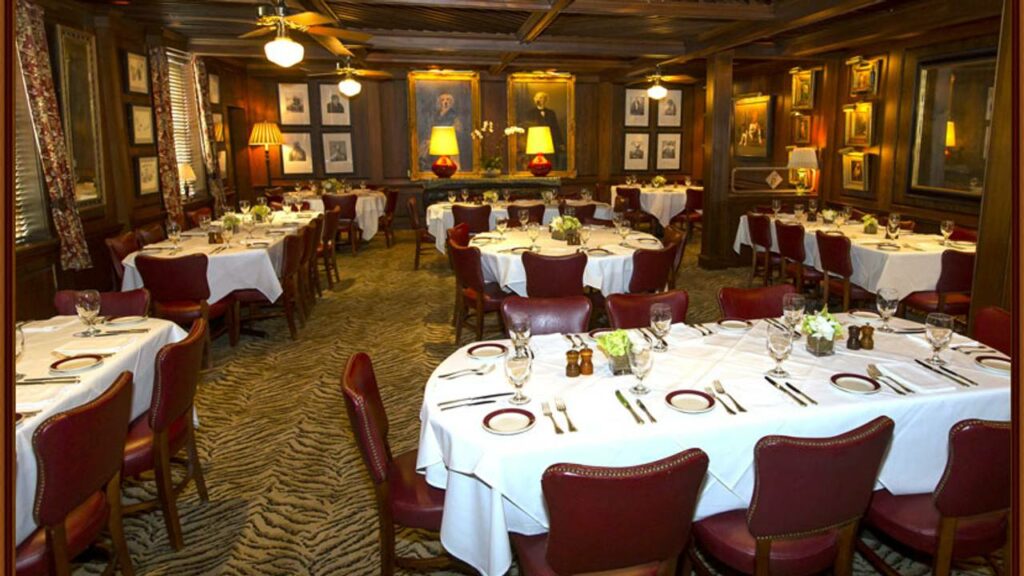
(776, 207)
(524, 218)
(87, 305)
(886, 301)
(793, 306)
(938, 328)
(947, 230)
(585, 236)
(780, 344)
(501, 224)
(661, 323)
(518, 367)
(623, 229)
(533, 231)
(641, 360)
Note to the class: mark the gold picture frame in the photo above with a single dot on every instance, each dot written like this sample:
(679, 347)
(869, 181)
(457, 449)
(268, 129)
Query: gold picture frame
(438, 98)
(855, 171)
(543, 99)
(864, 77)
(802, 91)
(859, 124)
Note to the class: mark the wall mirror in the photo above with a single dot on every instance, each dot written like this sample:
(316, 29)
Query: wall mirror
(952, 125)
(79, 94)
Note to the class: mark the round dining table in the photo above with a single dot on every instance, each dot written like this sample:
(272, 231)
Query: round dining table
(664, 202)
(370, 206)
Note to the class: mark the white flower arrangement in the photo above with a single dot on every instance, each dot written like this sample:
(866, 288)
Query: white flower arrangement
(658, 181)
(486, 128)
(490, 196)
(331, 185)
(565, 223)
(513, 130)
(828, 215)
(821, 325)
(231, 221)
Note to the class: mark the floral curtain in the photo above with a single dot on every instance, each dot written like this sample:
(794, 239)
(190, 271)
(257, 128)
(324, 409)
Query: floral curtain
(167, 158)
(34, 55)
(213, 180)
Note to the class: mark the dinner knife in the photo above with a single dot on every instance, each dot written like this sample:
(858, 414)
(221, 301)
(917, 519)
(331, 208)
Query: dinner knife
(622, 400)
(787, 392)
(473, 399)
(800, 392)
(643, 407)
(909, 331)
(958, 375)
(470, 404)
(954, 378)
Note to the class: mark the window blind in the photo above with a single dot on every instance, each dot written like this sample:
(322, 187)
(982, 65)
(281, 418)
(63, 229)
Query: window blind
(30, 223)
(185, 117)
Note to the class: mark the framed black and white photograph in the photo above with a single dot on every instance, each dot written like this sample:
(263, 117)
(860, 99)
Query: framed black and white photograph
(137, 73)
(670, 110)
(148, 175)
(855, 171)
(638, 113)
(801, 129)
(297, 153)
(141, 121)
(334, 106)
(669, 152)
(636, 151)
(293, 104)
(338, 153)
(214, 89)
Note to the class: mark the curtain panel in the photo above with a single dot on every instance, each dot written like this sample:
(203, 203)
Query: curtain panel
(167, 159)
(34, 55)
(209, 142)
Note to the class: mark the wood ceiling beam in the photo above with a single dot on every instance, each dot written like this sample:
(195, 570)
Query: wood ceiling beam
(689, 10)
(506, 59)
(538, 21)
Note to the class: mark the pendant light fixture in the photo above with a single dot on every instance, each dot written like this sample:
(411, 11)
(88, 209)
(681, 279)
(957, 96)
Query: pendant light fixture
(349, 86)
(282, 50)
(657, 91)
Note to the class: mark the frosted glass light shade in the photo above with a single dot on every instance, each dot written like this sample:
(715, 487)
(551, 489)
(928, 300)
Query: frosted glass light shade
(284, 51)
(657, 92)
(350, 86)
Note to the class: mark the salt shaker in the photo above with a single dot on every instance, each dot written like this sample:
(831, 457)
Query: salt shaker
(854, 342)
(867, 338)
(586, 361)
(572, 363)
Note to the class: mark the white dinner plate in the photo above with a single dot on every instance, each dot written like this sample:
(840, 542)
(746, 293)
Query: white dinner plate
(125, 320)
(888, 247)
(487, 351)
(865, 315)
(508, 421)
(598, 252)
(855, 383)
(689, 401)
(76, 364)
(995, 364)
(735, 325)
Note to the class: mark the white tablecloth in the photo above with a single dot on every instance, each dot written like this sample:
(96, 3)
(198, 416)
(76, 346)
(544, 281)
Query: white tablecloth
(440, 218)
(369, 208)
(915, 267)
(137, 353)
(610, 274)
(663, 203)
(493, 483)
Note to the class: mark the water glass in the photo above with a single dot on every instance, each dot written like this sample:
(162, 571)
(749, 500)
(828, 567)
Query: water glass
(451, 196)
(687, 181)
(812, 205)
(173, 232)
(519, 331)
(586, 195)
(227, 232)
(517, 369)
(623, 230)
(505, 195)
(798, 211)
(524, 218)
(946, 227)
(793, 306)
(780, 344)
(249, 224)
(243, 205)
(261, 201)
(533, 231)
(641, 360)
(893, 227)
(585, 235)
(776, 207)
(501, 224)
(887, 301)
(661, 323)
(87, 305)
(939, 330)
(465, 195)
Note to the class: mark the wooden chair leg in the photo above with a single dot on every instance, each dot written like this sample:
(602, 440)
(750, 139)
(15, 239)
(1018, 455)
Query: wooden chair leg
(944, 553)
(352, 239)
(460, 319)
(416, 260)
(57, 540)
(327, 271)
(846, 294)
(194, 464)
(753, 266)
(479, 319)
(165, 490)
(387, 545)
(844, 558)
(116, 527)
(767, 269)
(762, 558)
(234, 319)
(288, 300)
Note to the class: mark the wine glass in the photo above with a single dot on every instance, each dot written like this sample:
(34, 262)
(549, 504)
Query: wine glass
(505, 194)
(243, 205)
(776, 207)
(812, 205)
(798, 212)
(524, 218)
(204, 223)
(687, 181)
(228, 232)
(501, 224)
(517, 370)
(780, 344)
(586, 195)
(519, 331)
(641, 360)
(173, 233)
(939, 330)
(249, 224)
(793, 306)
(839, 219)
(465, 195)
(887, 301)
(946, 227)
(585, 235)
(87, 305)
(451, 196)
(570, 211)
(261, 201)
(893, 225)
(661, 323)
(533, 231)
(847, 213)
(19, 348)
(623, 230)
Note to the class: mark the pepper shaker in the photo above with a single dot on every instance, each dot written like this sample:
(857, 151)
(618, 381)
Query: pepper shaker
(854, 342)
(572, 366)
(586, 361)
(867, 338)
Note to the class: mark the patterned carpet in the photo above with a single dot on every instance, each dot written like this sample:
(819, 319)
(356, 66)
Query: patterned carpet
(288, 491)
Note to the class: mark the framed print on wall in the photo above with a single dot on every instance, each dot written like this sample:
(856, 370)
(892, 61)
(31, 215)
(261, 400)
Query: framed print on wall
(141, 119)
(752, 128)
(214, 88)
(669, 152)
(443, 98)
(855, 171)
(864, 77)
(670, 110)
(803, 90)
(137, 73)
(638, 112)
(543, 99)
(636, 151)
(297, 153)
(218, 127)
(859, 120)
(222, 163)
(334, 106)
(338, 153)
(293, 104)
(802, 129)
(148, 171)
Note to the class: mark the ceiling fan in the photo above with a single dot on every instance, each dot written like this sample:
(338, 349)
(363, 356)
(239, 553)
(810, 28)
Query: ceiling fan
(284, 51)
(348, 85)
(656, 91)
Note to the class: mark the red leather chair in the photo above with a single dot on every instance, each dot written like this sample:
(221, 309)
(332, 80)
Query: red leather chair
(150, 233)
(386, 219)
(952, 294)
(967, 515)
(424, 239)
(163, 431)
(120, 247)
(652, 268)
(309, 280)
(78, 489)
(312, 269)
(475, 297)
(549, 315)
(536, 212)
(478, 218)
(627, 201)
(326, 250)
(291, 302)
(112, 304)
(347, 221)
(459, 234)
(692, 214)
(809, 496)
(964, 235)
(753, 303)
(634, 310)
(583, 212)
(763, 260)
(834, 252)
(194, 216)
(677, 236)
(636, 519)
(993, 327)
(554, 276)
(790, 240)
(403, 496)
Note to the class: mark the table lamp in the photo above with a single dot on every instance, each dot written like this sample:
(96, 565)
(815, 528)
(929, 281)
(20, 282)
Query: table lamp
(538, 141)
(802, 160)
(266, 134)
(443, 144)
(187, 175)
(950, 138)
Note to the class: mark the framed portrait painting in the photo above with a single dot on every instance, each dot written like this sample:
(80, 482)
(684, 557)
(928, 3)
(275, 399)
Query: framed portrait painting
(855, 171)
(670, 110)
(141, 119)
(334, 106)
(214, 81)
(293, 104)
(338, 153)
(148, 175)
(636, 151)
(802, 125)
(137, 73)
(669, 152)
(859, 120)
(864, 77)
(637, 109)
(803, 90)
(443, 98)
(297, 153)
(543, 99)
(752, 128)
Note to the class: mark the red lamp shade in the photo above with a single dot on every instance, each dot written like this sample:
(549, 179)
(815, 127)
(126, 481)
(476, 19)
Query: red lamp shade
(443, 144)
(538, 141)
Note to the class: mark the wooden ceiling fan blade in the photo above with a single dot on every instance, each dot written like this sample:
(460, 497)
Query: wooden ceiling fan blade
(678, 78)
(325, 74)
(309, 19)
(258, 32)
(378, 74)
(332, 44)
(357, 37)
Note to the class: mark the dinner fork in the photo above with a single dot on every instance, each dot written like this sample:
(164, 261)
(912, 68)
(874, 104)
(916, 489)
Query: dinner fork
(546, 408)
(468, 371)
(711, 393)
(721, 390)
(893, 383)
(560, 405)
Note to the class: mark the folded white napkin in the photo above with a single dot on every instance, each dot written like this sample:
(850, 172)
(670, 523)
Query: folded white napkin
(100, 345)
(49, 325)
(917, 378)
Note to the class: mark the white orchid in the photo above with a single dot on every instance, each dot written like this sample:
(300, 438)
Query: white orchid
(514, 130)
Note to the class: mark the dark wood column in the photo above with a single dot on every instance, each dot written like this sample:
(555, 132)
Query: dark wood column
(716, 237)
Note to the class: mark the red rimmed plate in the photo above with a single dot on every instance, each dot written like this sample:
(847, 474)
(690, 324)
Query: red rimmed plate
(855, 383)
(996, 364)
(487, 351)
(76, 364)
(509, 421)
(599, 331)
(888, 247)
(689, 401)
(125, 320)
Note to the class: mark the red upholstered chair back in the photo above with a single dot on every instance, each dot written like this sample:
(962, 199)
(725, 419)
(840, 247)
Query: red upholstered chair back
(170, 279)
(803, 485)
(554, 276)
(112, 304)
(459, 234)
(318, 229)
(277, 206)
(964, 234)
(677, 236)
(195, 215)
(790, 240)
(390, 202)
(274, 195)
(466, 262)
(993, 327)
(414, 213)
(582, 212)
(549, 315)
(536, 212)
(905, 225)
(150, 233)
(177, 375)
(753, 303)
(651, 269)
(627, 199)
(595, 512)
(119, 247)
(291, 257)
(347, 203)
(760, 228)
(634, 310)
(79, 451)
(309, 241)
(478, 218)
(977, 476)
(957, 271)
(694, 199)
(834, 251)
(366, 415)
(331, 219)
